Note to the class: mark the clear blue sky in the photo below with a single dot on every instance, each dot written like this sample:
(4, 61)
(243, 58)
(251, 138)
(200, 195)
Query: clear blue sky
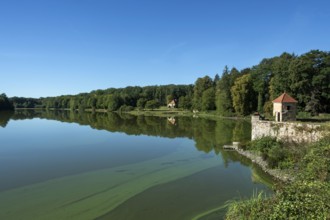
(55, 47)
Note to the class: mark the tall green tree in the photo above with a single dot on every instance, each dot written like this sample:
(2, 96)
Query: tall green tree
(223, 98)
(261, 76)
(113, 102)
(216, 78)
(185, 102)
(5, 104)
(243, 95)
(91, 103)
(152, 104)
(201, 85)
(280, 82)
(141, 103)
(310, 77)
(208, 99)
(73, 103)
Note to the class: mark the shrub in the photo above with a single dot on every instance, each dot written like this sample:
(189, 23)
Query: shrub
(275, 154)
(254, 208)
(302, 200)
(306, 197)
(262, 144)
(286, 164)
(271, 150)
(152, 104)
(126, 108)
(316, 163)
(304, 115)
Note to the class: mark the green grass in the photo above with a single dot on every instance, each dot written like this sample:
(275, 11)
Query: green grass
(306, 197)
(248, 209)
(166, 112)
(161, 112)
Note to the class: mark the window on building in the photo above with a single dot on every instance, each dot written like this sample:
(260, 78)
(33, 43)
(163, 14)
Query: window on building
(288, 107)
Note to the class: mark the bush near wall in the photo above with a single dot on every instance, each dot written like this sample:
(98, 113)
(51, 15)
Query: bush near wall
(306, 197)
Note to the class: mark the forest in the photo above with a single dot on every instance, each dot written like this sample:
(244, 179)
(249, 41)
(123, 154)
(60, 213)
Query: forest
(5, 103)
(236, 92)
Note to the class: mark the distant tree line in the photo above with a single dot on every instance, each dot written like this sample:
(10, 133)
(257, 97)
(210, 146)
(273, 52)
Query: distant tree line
(21, 102)
(305, 77)
(5, 103)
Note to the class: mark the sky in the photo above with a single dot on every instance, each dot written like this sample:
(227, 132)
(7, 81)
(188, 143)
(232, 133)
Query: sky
(60, 47)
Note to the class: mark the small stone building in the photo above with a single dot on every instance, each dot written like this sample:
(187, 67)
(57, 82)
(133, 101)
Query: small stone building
(284, 108)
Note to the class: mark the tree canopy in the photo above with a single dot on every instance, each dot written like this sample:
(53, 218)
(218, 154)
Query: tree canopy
(5, 103)
(234, 92)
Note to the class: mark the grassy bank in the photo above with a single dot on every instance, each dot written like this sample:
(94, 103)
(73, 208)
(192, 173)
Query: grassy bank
(166, 112)
(305, 197)
(161, 112)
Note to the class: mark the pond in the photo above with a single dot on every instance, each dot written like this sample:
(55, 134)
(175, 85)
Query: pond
(70, 165)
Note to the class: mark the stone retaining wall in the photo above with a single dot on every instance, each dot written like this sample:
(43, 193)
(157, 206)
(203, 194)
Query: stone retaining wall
(287, 131)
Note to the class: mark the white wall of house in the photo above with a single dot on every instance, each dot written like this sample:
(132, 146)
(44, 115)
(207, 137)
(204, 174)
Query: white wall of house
(277, 111)
(284, 111)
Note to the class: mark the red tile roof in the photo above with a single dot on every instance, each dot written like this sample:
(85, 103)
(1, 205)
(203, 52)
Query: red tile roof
(285, 98)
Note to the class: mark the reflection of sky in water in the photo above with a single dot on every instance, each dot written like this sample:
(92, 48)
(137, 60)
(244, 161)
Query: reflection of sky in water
(41, 133)
(36, 150)
(144, 171)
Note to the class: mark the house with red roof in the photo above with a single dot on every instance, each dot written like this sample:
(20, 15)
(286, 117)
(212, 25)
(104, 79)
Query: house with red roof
(284, 108)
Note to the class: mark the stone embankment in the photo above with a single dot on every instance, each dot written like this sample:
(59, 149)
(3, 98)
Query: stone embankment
(276, 173)
(287, 131)
(295, 132)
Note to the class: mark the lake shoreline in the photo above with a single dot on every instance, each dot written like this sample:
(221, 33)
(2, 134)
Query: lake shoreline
(278, 174)
(118, 162)
(155, 112)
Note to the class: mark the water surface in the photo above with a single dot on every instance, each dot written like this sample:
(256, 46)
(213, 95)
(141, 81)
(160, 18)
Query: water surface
(70, 165)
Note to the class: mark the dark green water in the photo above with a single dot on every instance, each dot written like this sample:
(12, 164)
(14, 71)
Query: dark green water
(66, 165)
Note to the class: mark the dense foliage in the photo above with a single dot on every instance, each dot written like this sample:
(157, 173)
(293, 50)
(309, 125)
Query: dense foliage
(21, 102)
(271, 151)
(5, 104)
(306, 197)
(305, 77)
(112, 99)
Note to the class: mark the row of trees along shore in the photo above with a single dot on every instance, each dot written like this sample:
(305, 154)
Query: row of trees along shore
(305, 77)
(5, 103)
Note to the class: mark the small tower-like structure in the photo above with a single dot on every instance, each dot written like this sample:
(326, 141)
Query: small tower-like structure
(284, 108)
